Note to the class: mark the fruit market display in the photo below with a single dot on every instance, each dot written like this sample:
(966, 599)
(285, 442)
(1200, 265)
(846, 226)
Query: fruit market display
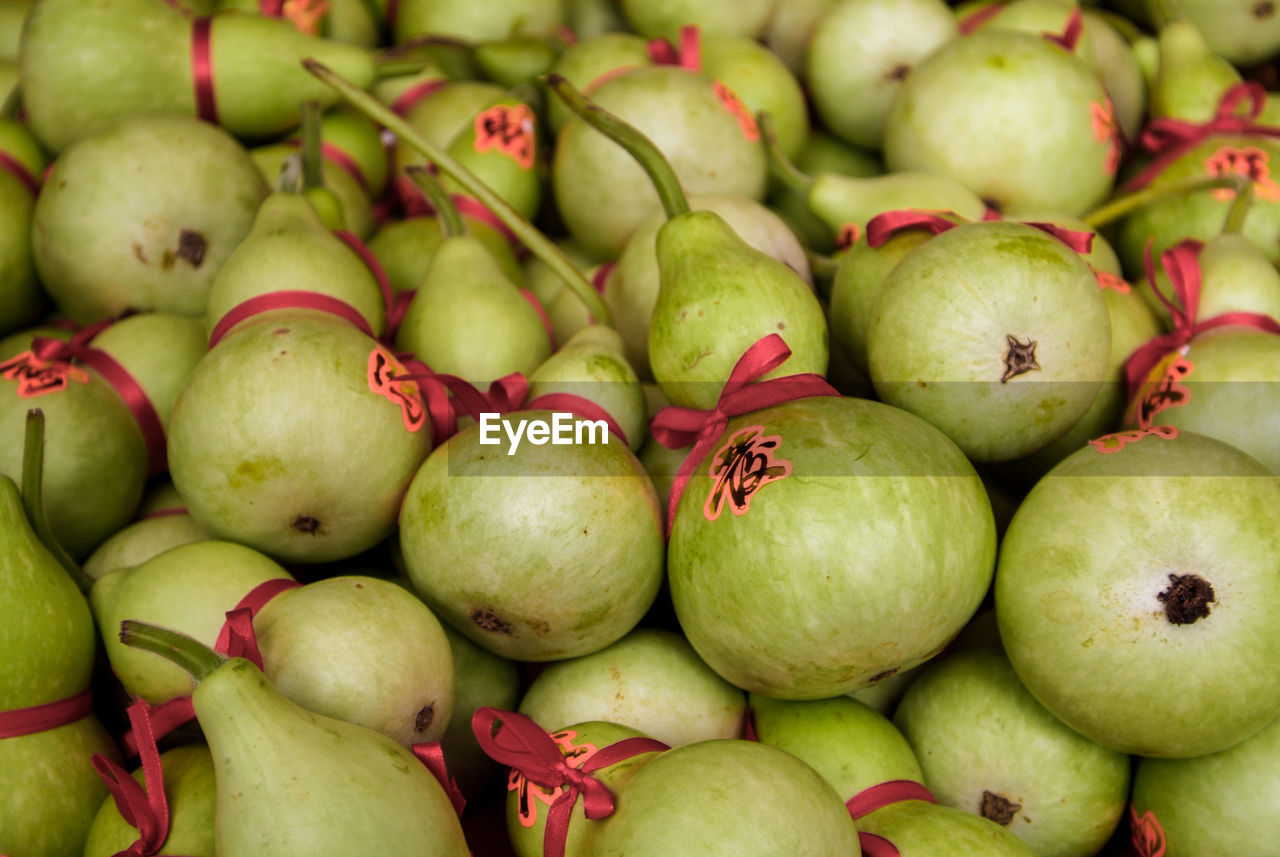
(639, 428)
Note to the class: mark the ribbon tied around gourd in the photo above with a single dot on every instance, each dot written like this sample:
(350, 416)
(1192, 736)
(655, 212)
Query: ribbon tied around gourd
(884, 226)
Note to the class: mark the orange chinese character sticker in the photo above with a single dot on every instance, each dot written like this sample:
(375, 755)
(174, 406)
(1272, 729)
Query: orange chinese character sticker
(527, 793)
(1108, 280)
(734, 105)
(35, 377)
(1119, 440)
(1103, 118)
(510, 130)
(1248, 161)
(1146, 834)
(385, 378)
(742, 467)
(305, 15)
(1163, 392)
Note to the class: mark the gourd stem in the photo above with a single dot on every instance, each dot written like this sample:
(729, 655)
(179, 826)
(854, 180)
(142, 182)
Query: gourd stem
(33, 497)
(1239, 211)
(312, 159)
(193, 656)
(1123, 205)
(525, 231)
(780, 166)
(638, 146)
(445, 210)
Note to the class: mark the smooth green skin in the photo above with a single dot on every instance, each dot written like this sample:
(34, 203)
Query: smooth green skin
(189, 789)
(590, 18)
(763, 82)
(1200, 215)
(849, 744)
(840, 200)
(278, 425)
(140, 541)
(1120, 72)
(464, 291)
(976, 729)
(1076, 589)
(293, 783)
(632, 290)
(1132, 324)
(884, 694)
(1101, 256)
(1045, 16)
(353, 200)
(726, 797)
(557, 548)
(663, 18)
(938, 337)
(662, 464)
(81, 69)
(189, 589)
(1232, 392)
(920, 829)
(565, 310)
(95, 462)
(591, 365)
(860, 54)
(583, 65)
(404, 249)
(478, 23)
(870, 589)
(1241, 31)
(601, 192)
(718, 295)
(790, 30)
(362, 650)
(289, 249)
(1190, 77)
(515, 60)
(651, 680)
(1217, 805)
(21, 296)
(107, 225)
(10, 91)
(158, 350)
(529, 841)
(46, 629)
(47, 810)
(823, 153)
(12, 14)
(1235, 277)
(1008, 115)
(481, 678)
(353, 21)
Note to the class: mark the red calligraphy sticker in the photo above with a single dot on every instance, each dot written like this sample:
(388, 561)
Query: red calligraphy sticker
(1119, 440)
(386, 379)
(527, 793)
(510, 130)
(36, 377)
(734, 105)
(305, 15)
(1146, 834)
(1248, 161)
(1103, 118)
(1108, 280)
(848, 235)
(1162, 393)
(742, 467)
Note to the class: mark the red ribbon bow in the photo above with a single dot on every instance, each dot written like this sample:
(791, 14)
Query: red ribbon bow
(689, 54)
(135, 399)
(884, 226)
(522, 744)
(1168, 139)
(1182, 264)
(869, 800)
(676, 427)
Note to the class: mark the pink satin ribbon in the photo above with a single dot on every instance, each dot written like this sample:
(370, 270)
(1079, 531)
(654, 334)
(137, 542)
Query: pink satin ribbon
(431, 754)
(135, 399)
(869, 800)
(202, 69)
(974, 20)
(675, 427)
(287, 299)
(533, 301)
(1070, 36)
(522, 744)
(1168, 139)
(1182, 264)
(689, 54)
(44, 717)
(405, 101)
(884, 226)
(371, 262)
(19, 171)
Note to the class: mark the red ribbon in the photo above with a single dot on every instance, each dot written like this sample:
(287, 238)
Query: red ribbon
(135, 399)
(521, 744)
(19, 171)
(202, 69)
(431, 754)
(884, 226)
(414, 203)
(287, 299)
(533, 301)
(271, 8)
(1168, 139)
(1182, 264)
(164, 513)
(405, 101)
(375, 267)
(42, 718)
(689, 54)
(971, 22)
(869, 800)
(675, 427)
(1070, 36)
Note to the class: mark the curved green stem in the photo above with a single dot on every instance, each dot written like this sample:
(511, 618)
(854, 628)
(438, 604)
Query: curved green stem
(33, 497)
(193, 656)
(312, 159)
(1239, 211)
(780, 166)
(638, 146)
(528, 234)
(414, 54)
(1122, 205)
(450, 220)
